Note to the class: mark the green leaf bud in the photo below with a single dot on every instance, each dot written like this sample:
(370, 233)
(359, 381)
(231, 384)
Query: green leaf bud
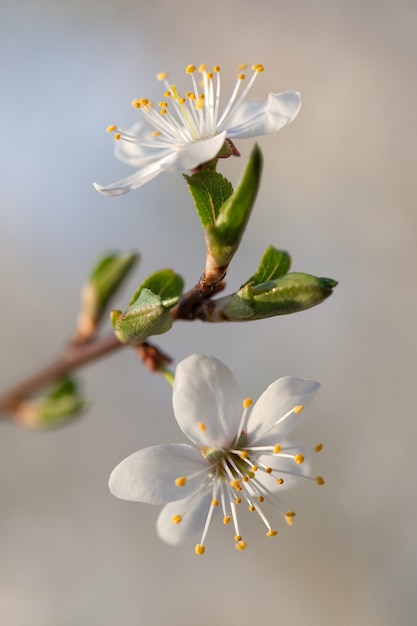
(61, 405)
(105, 278)
(149, 310)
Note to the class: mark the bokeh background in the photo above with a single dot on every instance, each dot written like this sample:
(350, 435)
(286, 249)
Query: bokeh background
(339, 192)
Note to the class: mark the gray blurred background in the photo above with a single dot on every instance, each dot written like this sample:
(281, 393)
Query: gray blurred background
(339, 190)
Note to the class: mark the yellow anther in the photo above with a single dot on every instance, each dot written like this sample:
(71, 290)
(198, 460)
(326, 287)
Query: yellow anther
(136, 104)
(277, 449)
(299, 458)
(272, 533)
(261, 498)
(191, 96)
(202, 68)
(167, 94)
(237, 538)
(111, 129)
(202, 426)
(242, 66)
(318, 447)
(235, 484)
(258, 67)
(181, 481)
(199, 549)
(238, 500)
(176, 519)
(241, 77)
(247, 402)
(320, 480)
(144, 102)
(117, 136)
(268, 470)
(243, 454)
(226, 520)
(214, 502)
(163, 105)
(216, 69)
(245, 479)
(251, 508)
(161, 76)
(209, 75)
(155, 133)
(289, 518)
(199, 104)
(181, 100)
(254, 468)
(280, 481)
(163, 111)
(298, 408)
(190, 69)
(240, 545)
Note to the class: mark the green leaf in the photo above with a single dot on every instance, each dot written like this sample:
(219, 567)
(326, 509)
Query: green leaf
(291, 293)
(274, 264)
(105, 278)
(59, 406)
(209, 190)
(224, 236)
(166, 284)
(149, 310)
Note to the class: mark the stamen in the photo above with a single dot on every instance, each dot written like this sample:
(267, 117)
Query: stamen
(318, 447)
(161, 76)
(111, 129)
(181, 481)
(199, 549)
(258, 68)
(320, 480)
(202, 426)
(241, 545)
(277, 449)
(176, 519)
(280, 481)
(117, 136)
(298, 408)
(247, 402)
(226, 520)
(272, 533)
(299, 459)
(136, 104)
(190, 69)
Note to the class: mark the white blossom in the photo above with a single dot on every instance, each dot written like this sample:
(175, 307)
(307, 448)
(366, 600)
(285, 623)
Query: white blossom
(181, 133)
(236, 457)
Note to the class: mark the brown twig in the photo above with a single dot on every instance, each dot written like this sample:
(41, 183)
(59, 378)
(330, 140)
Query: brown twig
(72, 357)
(80, 352)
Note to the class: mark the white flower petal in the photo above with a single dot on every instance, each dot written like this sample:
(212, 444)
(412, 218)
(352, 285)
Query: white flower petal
(135, 153)
(139, 178)
(207, 401)
(256, 118)
(194, 514)
(272, 415)
(190, 155)
(149, 474)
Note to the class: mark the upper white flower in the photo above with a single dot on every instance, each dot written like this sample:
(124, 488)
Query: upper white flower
(181, 133)
(234, 459)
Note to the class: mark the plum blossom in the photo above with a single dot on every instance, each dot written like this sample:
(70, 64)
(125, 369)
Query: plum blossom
(181, 133)
(237, 455)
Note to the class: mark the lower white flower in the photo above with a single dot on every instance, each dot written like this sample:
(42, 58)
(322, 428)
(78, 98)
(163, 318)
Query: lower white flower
(237, 457)
(181, 133)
